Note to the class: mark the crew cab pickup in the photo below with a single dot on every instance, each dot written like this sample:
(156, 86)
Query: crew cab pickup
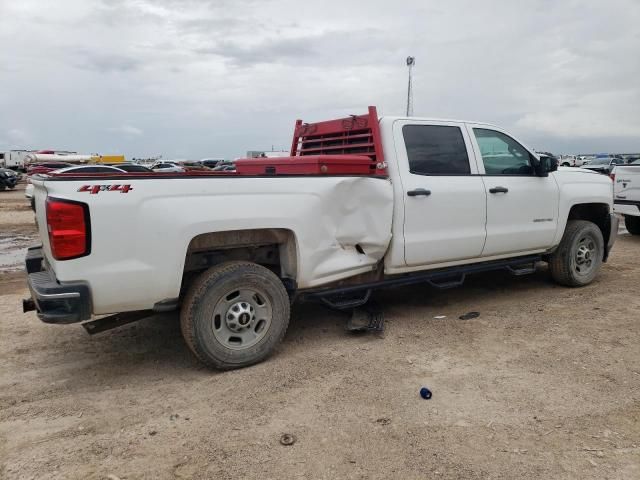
(626, 191)
(362, 203)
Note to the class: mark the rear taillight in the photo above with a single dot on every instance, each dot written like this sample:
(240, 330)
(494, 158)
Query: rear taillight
(69, 229)
(613, 177)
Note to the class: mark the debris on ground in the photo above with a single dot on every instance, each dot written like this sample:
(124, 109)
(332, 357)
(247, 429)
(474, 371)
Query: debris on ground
(440, 317)
(469, 315)
(288, 439)
(367, 318)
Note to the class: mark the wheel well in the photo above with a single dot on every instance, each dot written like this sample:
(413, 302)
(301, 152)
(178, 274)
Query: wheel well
(270, 247)
(597, 213)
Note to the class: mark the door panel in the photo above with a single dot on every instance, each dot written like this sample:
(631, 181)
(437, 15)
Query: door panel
(524, 218)
(444, 198)
(522, 208)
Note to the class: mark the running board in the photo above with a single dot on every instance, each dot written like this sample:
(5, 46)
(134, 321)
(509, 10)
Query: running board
(343, 302)
(523, 270)
(444, 284)
(113, 321)
(442, 278)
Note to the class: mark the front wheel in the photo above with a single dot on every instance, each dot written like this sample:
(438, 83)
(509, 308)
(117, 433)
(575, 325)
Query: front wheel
(633, 224)
(234, 315)
(578, 258)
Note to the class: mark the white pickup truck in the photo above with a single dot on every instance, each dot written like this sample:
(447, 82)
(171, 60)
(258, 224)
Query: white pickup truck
(437, 200)
(626, 191)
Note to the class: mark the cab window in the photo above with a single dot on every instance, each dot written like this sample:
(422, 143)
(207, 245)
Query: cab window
(501, 154)
(436, 150)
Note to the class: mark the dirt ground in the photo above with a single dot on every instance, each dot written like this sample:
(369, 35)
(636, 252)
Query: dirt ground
(545, 383)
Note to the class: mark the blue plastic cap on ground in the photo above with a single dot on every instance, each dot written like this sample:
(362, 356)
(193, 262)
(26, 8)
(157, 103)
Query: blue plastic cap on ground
(425, 393)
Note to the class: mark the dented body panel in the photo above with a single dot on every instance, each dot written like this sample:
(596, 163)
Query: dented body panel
(338, 227)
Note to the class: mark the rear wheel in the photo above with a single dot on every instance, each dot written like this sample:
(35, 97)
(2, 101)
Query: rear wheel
(633, 224)
(2, 187)
(234, 315)
(578, 258)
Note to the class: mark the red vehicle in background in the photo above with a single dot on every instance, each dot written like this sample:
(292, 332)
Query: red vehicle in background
(46, 167)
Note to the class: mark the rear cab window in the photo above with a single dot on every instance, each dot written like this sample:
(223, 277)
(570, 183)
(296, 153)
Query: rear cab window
(436, 150)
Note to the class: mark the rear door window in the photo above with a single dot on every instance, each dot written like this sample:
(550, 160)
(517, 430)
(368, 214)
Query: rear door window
(436, 150)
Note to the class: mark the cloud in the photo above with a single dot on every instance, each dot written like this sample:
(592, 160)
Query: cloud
(328, 48)
(196, 78)
(17, 135)
(129, 130)
(105, 62)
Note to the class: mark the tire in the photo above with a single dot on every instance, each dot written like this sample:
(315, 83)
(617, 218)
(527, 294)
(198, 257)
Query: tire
(633, 224)
(2, 187)
(578, 258)
(221, 315)
(565, 164)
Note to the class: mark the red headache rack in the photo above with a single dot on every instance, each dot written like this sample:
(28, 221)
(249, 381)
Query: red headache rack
(345, 146)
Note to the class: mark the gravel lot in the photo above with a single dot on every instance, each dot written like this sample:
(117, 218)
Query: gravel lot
(544, 384)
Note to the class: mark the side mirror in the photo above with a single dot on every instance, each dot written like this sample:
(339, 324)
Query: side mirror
(545, 165)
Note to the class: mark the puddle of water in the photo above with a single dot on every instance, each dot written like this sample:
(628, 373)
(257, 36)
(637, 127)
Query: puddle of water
(13, 249)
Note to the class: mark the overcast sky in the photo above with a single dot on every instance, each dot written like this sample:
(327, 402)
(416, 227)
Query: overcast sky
(196, 78)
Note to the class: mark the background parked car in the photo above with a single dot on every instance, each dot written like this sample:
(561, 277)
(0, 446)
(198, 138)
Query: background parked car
(166, 167)
(225, 167)
(211, 162)
(603, 164)
(131, 167)
(195, 165)
(570, 161)
(35, 168)
(89, 169)
(8, 179)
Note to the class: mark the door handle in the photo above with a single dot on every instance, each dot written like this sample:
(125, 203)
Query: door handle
(498, 190)
(419, 191)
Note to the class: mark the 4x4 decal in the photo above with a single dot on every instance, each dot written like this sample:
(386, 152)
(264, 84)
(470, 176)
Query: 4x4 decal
(95, 189)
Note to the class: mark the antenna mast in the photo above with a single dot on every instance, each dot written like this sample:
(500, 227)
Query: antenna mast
(411, 61)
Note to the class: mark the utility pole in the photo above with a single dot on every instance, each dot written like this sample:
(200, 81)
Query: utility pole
(411, 61)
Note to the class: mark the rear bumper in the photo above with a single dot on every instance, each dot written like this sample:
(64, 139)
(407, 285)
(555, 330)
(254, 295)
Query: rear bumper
(55, 302)
(613, 234)
(627, 207)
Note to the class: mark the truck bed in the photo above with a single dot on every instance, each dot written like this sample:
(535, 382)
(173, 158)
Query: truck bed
(142, 225)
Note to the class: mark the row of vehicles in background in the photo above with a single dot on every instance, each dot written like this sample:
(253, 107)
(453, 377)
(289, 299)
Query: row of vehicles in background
(601, 163)
(185, 166)
(19, 160)
(118, 167)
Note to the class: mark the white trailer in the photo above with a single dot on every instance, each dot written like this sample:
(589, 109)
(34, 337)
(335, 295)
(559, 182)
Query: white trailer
(14, 159)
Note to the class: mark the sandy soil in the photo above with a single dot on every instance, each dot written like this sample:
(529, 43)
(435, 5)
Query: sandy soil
(544, 384)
